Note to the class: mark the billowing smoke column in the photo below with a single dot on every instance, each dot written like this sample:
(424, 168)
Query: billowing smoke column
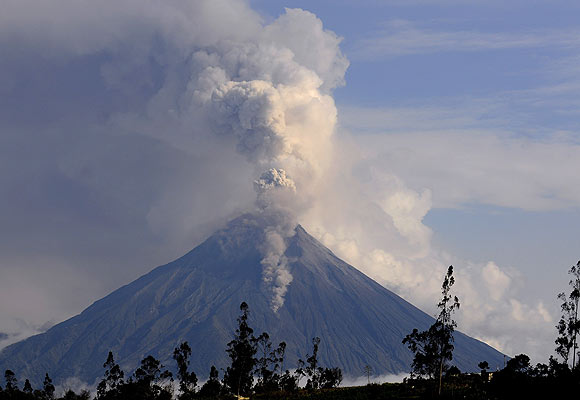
(274, 189)
(271, 97)
(272, 186)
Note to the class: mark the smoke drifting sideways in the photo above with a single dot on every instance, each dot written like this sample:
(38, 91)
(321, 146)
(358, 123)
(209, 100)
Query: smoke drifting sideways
(130, 130)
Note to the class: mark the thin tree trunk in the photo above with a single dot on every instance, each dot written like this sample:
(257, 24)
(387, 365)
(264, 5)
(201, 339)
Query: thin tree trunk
(440, 375)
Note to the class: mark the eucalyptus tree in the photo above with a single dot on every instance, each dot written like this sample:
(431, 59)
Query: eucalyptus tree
(238, 377)
(433, 348)
(569, 326)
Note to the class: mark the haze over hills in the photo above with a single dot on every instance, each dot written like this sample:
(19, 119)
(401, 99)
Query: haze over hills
(197, 297)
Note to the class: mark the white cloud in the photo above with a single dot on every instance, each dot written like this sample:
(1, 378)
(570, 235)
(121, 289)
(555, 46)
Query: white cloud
(496, 281)
(470, 152)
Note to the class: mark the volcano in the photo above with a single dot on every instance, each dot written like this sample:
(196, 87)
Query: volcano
(196, 298)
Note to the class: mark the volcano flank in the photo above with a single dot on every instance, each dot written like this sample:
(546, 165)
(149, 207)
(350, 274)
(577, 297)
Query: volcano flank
(196, 298)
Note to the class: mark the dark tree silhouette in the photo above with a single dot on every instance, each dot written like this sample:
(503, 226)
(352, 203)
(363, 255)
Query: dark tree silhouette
(187, 380)
(311, 369)
(71, 395)
(520, 364)
(433, 348)
(111, 384)
(318, 377)
(453, 371)
(268, 364)
(238, 377)
(27, 387)
(569, 326)
(330, 377)
(48, 388)
(213, 387)
(287, 381)
(484, 365)
(151, 381)
(11, 381)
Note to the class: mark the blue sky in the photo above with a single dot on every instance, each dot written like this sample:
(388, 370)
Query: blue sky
(454, 139)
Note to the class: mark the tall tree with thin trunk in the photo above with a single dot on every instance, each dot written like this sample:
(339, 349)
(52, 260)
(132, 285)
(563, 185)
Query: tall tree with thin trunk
(447, 306)
(433, 348)
(238, 377)
(569, 326)
(110, 386)
(48, 388)
(187, 380)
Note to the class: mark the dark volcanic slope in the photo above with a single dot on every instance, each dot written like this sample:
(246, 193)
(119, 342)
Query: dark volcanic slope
(196, 298)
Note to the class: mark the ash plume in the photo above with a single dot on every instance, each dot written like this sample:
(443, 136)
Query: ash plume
(273, 189)
(275, 271)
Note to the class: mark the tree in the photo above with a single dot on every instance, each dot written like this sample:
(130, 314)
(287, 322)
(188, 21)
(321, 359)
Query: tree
(48, 388)
(71, 395)
(520, 364)
(318, 377)
(110, 386)
(453, 371)
(27, 387)
(484, 365)
(238, 377)
(187, 380)
(11, 381)
(569, 326)
(280, 354)
(268, 364)
(330, 377)
(312, 370)
(287, 381)
(151, 379)
(368, 369)
(433, 348)
(213, 387)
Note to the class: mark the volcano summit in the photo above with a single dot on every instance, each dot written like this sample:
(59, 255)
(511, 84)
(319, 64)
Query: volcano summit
(196, 298)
